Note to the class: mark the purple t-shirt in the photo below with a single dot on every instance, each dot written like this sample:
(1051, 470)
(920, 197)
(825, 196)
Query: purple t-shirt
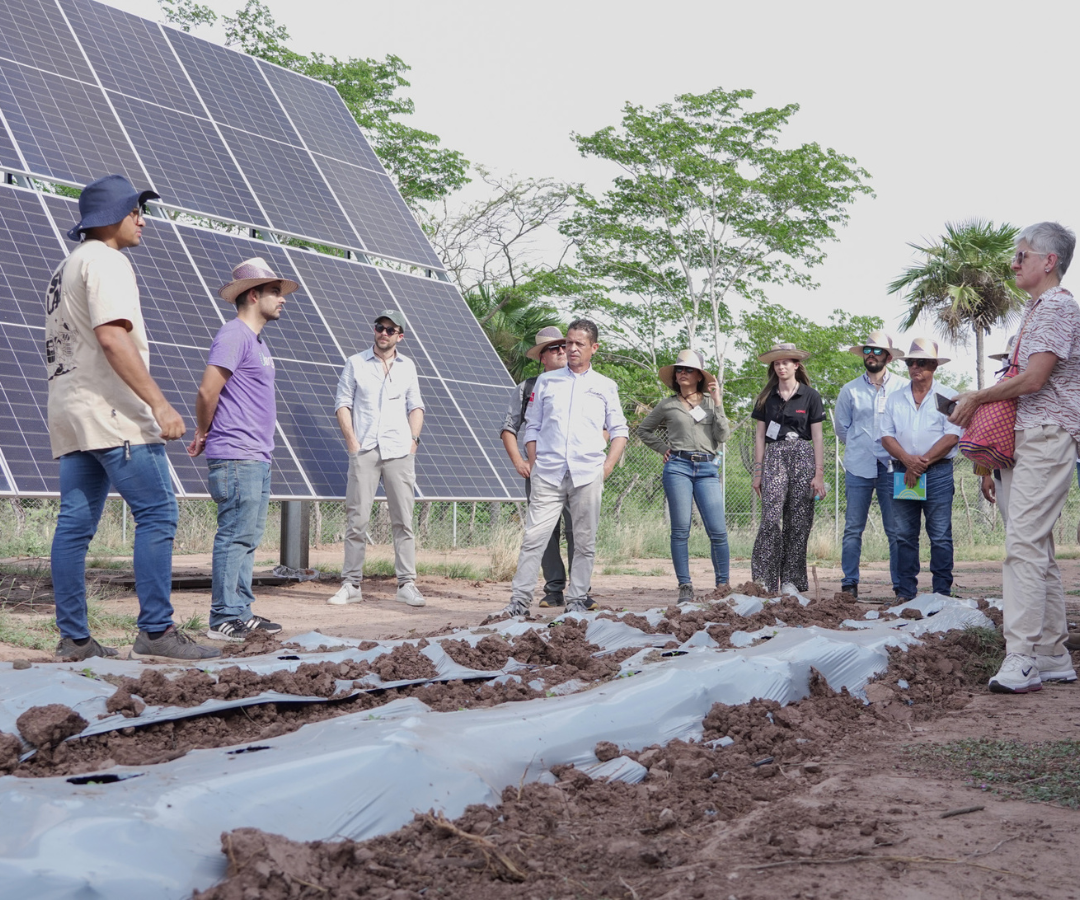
(243, 426)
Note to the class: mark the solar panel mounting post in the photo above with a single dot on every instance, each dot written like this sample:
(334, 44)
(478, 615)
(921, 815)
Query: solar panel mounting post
(295, 533)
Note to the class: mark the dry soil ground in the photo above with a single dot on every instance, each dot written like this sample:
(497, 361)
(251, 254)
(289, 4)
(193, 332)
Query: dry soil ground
(843, 810)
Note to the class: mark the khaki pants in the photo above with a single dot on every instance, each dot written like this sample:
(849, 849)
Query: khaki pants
(1032, 497)
(399, 482)
(546, 504)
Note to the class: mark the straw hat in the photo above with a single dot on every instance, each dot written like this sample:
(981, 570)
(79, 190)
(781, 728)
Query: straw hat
(783, 351)
(545, 337)
(689, 359)
(252, 273)
(1007, 353)
(924, 348)
(882, 341)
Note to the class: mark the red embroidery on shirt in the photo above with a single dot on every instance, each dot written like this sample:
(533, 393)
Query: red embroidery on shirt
(800, 411)
(532, 396)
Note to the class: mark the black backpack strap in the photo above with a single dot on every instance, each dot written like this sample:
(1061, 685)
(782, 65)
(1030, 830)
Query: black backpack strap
(526, 395)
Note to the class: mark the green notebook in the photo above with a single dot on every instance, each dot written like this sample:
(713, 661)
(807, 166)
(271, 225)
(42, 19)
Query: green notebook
(902, 492)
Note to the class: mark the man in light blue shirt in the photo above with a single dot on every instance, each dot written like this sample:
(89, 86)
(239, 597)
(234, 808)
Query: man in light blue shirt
(565, 421)
(922, 441)
(860, 409)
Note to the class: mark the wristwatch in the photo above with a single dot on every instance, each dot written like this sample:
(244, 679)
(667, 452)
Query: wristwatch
(416, 439)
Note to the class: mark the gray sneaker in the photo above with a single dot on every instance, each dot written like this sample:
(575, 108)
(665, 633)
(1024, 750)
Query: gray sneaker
(515, 608)
(686, 593)
(68, 649)
(172, 646)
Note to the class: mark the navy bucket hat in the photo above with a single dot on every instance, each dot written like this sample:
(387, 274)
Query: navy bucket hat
(106, 202)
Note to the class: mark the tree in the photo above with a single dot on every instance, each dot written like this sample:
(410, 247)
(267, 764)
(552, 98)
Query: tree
(422, 170)
(707, 204)
(511, 319)
(964, 284)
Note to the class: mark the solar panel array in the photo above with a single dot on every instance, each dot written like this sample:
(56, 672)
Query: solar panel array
(87, 90)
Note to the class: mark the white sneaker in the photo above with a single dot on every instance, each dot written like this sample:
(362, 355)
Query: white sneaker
(1018, 674)
(515, 608)
(409, 593)
(1056, 668)
(788, 588)
(347, 593)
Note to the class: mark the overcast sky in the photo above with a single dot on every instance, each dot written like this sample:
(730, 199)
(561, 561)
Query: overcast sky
(957, 109)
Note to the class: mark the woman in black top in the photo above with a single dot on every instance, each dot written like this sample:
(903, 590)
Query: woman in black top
(789, 471)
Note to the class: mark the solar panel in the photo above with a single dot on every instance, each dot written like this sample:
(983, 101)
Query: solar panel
(187, 161)
(29, 253)
(380, 216)
(36, 35)
(233, 88)
(64, 128)
(320, 117)
(131, 55)
(23, 403)
(9, 156)
(306, 416)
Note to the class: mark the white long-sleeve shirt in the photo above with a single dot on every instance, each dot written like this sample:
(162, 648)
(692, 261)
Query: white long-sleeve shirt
(380, 401)
(918, 429)
(566, 417)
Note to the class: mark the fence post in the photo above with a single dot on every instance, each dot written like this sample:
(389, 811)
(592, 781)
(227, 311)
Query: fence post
(453, 541)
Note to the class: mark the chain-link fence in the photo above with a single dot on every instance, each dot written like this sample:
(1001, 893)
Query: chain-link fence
(632, 524)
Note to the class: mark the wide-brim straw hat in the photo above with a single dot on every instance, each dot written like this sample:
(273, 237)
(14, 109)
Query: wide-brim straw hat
(1006, 354)
(690, 359)
(882, 341)
(252, 273)
(783, 351)
(924, 348)
(545, 337)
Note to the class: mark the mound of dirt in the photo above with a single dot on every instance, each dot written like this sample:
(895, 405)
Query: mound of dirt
(490, 653)
(47, 726)
(10, 748)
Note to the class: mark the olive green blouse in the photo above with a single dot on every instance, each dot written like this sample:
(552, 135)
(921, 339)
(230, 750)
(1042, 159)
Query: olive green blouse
(683, 433)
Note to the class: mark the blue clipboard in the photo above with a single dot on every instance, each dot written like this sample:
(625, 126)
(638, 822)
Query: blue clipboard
(902, 492)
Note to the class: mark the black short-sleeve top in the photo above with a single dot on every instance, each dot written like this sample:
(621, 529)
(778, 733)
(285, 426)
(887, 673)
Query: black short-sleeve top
(801, 410)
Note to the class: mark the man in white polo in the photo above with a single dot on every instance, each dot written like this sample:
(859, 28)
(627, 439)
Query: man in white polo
(565, 421)
(380, 413)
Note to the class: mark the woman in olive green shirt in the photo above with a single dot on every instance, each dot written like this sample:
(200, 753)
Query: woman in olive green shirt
(695, 425)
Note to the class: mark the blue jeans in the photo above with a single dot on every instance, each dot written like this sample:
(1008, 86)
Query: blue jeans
(684, 483)
(141, 476)
(241, 490)
(937, 508)
(860, 491)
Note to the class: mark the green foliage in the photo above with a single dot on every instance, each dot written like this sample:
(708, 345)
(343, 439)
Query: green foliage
(706, 204)
(510, 318)
(964, 283)
(370, 88)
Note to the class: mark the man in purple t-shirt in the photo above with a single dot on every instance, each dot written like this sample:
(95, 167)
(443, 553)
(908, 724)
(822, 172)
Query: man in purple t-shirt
(235, 416)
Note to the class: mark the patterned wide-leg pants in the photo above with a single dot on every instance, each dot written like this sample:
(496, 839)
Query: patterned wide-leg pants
(787, 515)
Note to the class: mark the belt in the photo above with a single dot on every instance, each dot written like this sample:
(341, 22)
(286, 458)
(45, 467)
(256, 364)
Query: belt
(693, 455)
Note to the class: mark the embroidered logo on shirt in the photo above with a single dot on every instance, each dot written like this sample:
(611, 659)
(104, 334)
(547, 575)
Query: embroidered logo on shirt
(800, 411)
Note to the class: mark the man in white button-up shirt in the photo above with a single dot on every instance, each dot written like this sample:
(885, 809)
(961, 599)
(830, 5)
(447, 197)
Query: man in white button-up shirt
(567, 416)
(922, 442)
(860, 409)
(380, 414)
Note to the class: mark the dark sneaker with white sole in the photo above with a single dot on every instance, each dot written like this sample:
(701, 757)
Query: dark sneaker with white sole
(553, 600)
(171, 646)
(69, 649)
(258, 623)
(233, 630)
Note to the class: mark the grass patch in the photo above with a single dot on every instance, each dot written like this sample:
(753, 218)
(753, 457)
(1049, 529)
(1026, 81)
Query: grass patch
(99, 563)
(29, 633)
(986, 649)
(1043, 772)
(373, 568)
(458, 569)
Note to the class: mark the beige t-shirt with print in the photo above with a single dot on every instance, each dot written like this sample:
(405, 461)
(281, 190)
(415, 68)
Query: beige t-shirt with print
(90, 407)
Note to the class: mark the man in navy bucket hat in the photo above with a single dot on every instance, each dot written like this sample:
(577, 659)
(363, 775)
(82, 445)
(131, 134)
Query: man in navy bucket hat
(108, 424)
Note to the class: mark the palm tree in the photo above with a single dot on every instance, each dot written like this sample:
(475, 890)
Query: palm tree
(510, 318)
(965, 284)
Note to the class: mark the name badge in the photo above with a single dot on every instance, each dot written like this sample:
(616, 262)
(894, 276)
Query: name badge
(881, 403)
(773, 431)
(697, 413)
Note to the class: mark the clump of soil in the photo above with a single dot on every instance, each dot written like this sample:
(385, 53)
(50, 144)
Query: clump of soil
(751, 589)
(257, 643)
(404, 663)
(566, 654)
(10, 748)
(490, 653)
(47, 726)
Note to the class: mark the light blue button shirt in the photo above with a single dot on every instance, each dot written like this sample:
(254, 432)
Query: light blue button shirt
(860, 410)
(917, 430)
(380, 401)
(567, 417)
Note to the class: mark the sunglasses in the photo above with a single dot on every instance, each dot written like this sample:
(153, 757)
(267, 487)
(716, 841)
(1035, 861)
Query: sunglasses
(386, 329)
(686, 370)
(1021, 255)
(874, 351)
(919, 363)
(555, 348)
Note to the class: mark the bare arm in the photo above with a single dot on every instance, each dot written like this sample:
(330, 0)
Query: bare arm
(615, 453)
(206, 402)
(817, 483)
(1032, 379)
(759, 455)
(416, 425)
(510, 442)
(344, 420)
(123, 356)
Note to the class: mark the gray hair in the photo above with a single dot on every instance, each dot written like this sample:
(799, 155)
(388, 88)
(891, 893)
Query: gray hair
(1050, 237)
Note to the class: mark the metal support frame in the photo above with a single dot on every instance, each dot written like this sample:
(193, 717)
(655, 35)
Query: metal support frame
(295, 533)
